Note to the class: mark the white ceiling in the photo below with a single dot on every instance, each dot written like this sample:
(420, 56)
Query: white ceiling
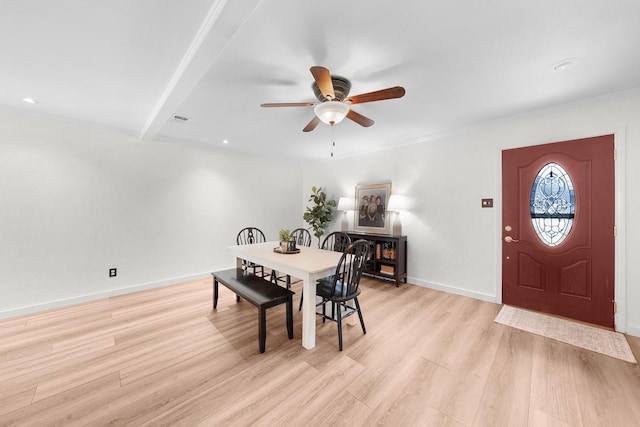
(133, 64)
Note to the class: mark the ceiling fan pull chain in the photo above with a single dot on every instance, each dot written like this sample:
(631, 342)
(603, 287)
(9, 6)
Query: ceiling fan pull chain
(333, 142)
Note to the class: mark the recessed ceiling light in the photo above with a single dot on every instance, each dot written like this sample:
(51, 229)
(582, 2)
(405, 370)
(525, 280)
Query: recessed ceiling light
(225, 141)
(564, 64)
(30, 100)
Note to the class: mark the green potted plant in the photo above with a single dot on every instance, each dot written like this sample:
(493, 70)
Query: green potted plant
(319, 214)
(285, 236)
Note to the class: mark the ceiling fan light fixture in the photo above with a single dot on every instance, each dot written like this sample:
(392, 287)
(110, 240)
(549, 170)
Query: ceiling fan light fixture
(331, 112)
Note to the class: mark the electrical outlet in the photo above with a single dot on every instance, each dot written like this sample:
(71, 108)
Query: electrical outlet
(113, 272)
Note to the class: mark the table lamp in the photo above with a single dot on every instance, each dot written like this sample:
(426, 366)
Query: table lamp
(345, 204)
(396, 204)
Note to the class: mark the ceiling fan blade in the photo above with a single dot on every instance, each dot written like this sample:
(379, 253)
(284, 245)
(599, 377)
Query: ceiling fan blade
(360, 119)
(312, 124)
(323, 79)
(378, 95)
(289, 104)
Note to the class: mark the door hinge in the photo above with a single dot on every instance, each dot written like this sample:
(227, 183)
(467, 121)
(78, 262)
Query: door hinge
(615, 231)
(615, 154)
(615, 307)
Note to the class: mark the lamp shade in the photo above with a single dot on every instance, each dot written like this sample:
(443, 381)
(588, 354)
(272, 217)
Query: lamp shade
(396, 203)
(346, 204)
(331, 112)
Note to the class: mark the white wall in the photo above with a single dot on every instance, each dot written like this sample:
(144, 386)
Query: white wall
(454, 244)
(76, 200)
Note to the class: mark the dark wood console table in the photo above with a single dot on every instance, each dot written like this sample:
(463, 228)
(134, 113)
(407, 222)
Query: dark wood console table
(387, 256)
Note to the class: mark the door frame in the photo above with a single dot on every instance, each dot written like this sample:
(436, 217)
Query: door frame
(620, 278)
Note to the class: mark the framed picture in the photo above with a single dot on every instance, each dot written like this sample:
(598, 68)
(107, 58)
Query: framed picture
(371, 208)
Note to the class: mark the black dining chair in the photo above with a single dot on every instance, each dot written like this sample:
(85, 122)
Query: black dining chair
(337, 242)
(249, 236)
(302, 237)
(343, 287)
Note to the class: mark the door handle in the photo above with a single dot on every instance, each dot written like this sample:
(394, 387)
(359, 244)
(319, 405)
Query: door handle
(510, 239)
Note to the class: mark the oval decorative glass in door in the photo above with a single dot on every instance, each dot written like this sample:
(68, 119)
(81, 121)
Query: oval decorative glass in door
(553, 204)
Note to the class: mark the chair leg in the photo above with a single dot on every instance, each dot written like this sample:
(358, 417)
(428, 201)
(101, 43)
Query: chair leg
(364, 331)
(324, 310)
(255, 269)
(301, 296)
(339, 319)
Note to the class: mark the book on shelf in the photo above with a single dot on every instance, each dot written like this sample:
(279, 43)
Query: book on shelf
(385, 251)
(387, 269)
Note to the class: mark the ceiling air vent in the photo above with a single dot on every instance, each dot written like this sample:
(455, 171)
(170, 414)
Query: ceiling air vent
(178, 119)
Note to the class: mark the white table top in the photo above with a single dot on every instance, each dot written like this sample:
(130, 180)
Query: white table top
(309, 260)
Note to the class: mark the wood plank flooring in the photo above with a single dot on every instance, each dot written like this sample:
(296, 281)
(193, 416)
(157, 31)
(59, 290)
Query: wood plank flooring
(163, 357)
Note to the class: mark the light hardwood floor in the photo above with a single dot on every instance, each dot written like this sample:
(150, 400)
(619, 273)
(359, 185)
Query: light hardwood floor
(163, 357)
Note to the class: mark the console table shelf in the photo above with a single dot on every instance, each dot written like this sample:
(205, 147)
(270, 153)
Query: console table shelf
(387, 256)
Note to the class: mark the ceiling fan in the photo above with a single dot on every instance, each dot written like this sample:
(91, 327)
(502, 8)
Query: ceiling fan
(334, 100)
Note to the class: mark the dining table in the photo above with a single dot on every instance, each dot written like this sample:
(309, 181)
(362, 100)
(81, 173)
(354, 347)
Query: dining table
(306, 263)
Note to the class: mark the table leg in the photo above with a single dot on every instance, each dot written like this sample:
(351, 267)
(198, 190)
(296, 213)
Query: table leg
(309, 312)
(352, 320)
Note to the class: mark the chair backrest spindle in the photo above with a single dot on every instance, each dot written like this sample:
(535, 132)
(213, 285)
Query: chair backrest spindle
(336, 241)
(301, 236)
(350, 267)
(249, 236)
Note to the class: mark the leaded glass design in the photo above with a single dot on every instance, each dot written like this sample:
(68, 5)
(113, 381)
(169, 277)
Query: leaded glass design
(553, 204)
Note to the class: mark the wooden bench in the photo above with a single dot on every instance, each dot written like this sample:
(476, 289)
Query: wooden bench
(259, 292)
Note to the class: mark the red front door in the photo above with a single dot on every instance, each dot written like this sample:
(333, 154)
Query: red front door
(572, 278)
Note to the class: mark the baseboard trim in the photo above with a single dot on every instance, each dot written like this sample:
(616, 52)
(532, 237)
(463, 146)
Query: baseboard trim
(634, 331)
(36, 308)
(453, 290)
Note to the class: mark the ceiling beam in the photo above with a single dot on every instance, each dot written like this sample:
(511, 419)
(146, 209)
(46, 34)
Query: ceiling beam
(222, 22)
